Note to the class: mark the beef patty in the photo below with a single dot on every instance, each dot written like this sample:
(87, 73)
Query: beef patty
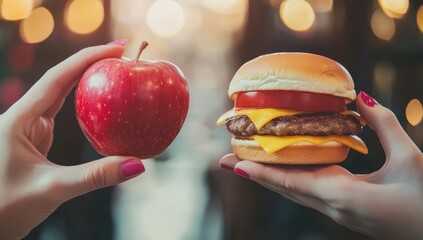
(316, 124)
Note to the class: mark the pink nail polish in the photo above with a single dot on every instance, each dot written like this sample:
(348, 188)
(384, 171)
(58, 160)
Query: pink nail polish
(120, 42)
(131, 168)
(367, 99)
(224, 166)
(241, 173)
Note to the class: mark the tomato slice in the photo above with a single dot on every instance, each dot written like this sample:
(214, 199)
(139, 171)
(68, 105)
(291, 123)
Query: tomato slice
(296, 100)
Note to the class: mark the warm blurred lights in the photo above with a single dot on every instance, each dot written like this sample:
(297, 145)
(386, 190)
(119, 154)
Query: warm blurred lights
(37, 3)
(420, 18)
(84, 16)
(382, 26)
(15, 9)
(165, 18)
(297, 15)
(414, 112)
(321, 5)
(130, 13)
(195, 22)
(394, 8)
(37, 27)
(226, 6)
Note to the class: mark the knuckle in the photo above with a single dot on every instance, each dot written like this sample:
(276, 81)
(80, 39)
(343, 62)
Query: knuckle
(335, 214)
(52, 79)
(340, 196)
(83, 52)
(96, 178)
(388, 118)
(337, 203)
(85, 57)
(290, 184)
(50, 73)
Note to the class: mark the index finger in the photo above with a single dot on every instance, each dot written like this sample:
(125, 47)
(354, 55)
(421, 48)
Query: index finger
(47, 95)
(394, 139)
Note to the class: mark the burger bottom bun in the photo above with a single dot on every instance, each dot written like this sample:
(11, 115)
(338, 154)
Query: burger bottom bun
(302, 153)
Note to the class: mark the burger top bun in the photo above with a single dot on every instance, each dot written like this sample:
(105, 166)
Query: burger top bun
(296, 72)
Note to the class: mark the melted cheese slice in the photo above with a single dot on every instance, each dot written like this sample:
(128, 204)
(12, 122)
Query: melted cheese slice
(272, 144)
(262, 116)
(259, 117)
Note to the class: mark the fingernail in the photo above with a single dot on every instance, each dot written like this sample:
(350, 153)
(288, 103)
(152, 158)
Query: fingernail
(227, 167)
(367, 99)
(131, 168)
(241, 172)
(120, 42)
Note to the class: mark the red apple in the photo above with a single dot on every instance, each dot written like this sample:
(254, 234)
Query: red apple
(131, 108)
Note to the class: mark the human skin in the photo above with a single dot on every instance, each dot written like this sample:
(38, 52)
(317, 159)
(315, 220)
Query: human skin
(31, 186)
(386, 204)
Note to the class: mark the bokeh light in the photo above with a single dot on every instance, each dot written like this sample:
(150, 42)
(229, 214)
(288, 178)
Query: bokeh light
(15, 9)
(37, 3)
(394, 8)
(273, 3)
(84, 16)
(226, 6)
(37, 27)
(165, 18)
(131, 13)
(414, 112)
(321, 6)
(382, 26)
(297, 15)
(419, 18)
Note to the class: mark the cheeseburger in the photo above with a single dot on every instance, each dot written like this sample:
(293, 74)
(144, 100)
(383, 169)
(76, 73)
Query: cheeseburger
(290, 108)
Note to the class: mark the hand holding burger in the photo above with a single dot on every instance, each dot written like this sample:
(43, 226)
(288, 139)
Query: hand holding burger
(386, 204)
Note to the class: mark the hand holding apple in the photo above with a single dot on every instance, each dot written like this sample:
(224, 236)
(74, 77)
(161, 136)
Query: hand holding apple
(132, 108)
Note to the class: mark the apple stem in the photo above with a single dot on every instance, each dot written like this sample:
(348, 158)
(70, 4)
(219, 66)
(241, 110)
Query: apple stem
(143, 45)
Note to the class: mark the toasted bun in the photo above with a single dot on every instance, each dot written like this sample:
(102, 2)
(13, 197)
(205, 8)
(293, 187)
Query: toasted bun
(295, 72)
(302, 153)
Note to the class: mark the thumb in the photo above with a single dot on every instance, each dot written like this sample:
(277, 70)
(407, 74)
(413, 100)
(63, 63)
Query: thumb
(101, 173)
(383, 121)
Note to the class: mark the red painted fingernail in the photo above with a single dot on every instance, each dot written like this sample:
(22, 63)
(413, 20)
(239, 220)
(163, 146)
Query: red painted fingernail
(227, 167)
(131, 168)
(367, 99)
(120, 42)
(241, 172)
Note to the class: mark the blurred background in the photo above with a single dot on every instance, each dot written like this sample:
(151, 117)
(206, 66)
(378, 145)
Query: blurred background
(183, 194)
